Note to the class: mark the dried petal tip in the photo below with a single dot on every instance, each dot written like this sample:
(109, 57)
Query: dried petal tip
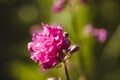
(73, 49)
(66, 34)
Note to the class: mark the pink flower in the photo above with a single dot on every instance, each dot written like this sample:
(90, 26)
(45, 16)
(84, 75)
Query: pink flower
(100, 34)
(58, 5)
(47, 45)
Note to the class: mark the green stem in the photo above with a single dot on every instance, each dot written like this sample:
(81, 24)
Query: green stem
(66, 71)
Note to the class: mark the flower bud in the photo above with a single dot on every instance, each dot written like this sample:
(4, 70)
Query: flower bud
(73, 49)
(66, 34)
(66, 44)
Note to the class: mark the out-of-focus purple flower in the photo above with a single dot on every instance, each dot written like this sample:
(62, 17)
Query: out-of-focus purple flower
(101, 34)
(58, 5)
(47, 45)
(88, 30)
(34, 28)
(84, 1)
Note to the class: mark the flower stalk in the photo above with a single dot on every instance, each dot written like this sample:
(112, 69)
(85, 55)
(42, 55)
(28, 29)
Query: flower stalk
(66, 71)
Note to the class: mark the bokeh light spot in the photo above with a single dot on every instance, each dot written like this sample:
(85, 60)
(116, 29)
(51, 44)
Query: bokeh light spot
(28, 13)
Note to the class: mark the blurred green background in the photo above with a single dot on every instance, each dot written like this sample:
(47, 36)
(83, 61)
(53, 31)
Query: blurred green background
(94, 61)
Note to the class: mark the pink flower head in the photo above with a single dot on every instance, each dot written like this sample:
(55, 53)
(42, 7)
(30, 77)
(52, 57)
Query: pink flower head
(47, 45)
(58, 5)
